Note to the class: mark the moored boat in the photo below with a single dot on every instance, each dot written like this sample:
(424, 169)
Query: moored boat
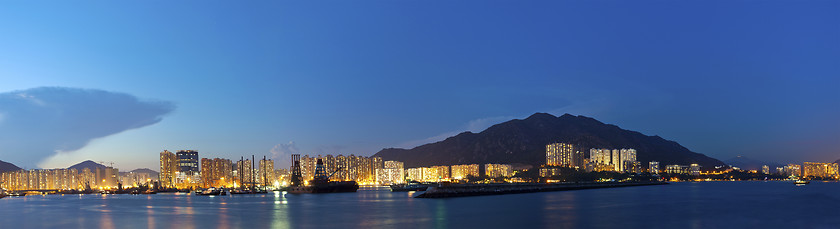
(211, 192)
(16, 194)
(328, 187)
(413, 186)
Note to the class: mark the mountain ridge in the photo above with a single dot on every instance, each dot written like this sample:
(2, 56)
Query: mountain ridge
(524, 141)
(8, 167)
(87, 164)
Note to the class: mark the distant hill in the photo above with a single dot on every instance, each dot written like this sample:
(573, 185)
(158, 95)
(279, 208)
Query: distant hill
(87, 164)
(523, 141)
(750, 164)
(6, 167)
(151, 173)
(144, 170)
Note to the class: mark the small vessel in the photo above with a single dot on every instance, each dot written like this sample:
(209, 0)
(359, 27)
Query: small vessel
(211, 192)
(247, 191)
(411, 186)
(240, 192)
(17, 194)
(801, 182)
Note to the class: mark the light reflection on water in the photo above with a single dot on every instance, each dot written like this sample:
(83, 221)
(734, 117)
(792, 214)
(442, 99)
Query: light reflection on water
(679, 205)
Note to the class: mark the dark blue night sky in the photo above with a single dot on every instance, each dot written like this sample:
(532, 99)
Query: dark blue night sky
(723, 78)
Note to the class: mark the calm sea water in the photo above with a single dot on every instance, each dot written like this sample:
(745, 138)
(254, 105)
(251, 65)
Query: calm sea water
(678, 205)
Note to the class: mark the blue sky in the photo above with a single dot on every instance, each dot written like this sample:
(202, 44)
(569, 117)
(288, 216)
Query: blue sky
(723, 78)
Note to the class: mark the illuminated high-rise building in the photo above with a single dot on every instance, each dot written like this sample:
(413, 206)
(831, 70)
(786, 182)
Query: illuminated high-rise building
(563, 154)
(188, 173)
(244, 173)
(330, 165)
(549, 172)
(207, 172)
(676, 169)
(391, 173)
(168, 167)
(627, 157)
(793, 170)
(223, 172)
(653, 167)
(216, 172)
(694, 170)
(107, 177)
(820, 170)
(462, 171)
(600, 156)
(632, 167)
(498, 170)
(134, 179)
(414, 174)
(265, 172)
(342, 165)
(378, 163)
(765, 169)
(616, 160)
(440, 172)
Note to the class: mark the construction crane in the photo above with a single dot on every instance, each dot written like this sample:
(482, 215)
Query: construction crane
(333, 173)
(111, 163)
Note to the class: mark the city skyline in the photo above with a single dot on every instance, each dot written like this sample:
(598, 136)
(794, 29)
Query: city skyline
(276, 79)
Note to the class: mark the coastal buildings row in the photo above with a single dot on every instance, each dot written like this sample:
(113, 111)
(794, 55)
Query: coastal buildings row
(178, 171)
(457, 172)
(60, 179)
(572, 156)
(820, 170)
(809, 170)
(620, 160)
(343, 168)
(185, 169)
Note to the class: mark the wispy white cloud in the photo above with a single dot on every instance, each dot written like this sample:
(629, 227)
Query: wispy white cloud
(40, 122)
(281, 153)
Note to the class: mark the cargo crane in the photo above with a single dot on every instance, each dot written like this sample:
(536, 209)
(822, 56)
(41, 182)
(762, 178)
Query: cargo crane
(321, 175)
(321, 182)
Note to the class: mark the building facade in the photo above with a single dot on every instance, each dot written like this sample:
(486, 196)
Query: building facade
(168, 168)
(392, 172)
(265, 172)
(676, 169)
(793, 170)
(563, 154)
(188, 173)
(498, 170)
(694, 170)
(653, 167)
(820, 170)
(463, 171)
